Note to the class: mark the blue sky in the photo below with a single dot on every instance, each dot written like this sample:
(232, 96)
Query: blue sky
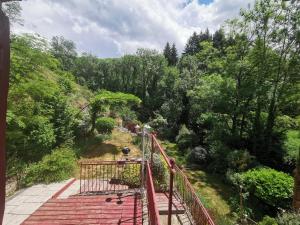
(112, 28)
(207, 2)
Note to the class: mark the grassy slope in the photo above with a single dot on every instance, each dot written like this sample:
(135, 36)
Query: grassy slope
(214, 194)
(109, 149)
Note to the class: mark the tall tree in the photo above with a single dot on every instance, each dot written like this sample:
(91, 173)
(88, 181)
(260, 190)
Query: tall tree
(13, 11)
(192, 46)
(219, 40)
(174, 55)
(168, 53)
(65, 51)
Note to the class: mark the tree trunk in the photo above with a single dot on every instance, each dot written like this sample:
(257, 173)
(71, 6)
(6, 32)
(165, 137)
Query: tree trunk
(296, 198)
(270, 125)
(257, 128)
(93, 121)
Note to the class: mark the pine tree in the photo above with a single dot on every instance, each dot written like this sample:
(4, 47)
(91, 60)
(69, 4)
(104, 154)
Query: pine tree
(192, 46)
(167, 53)
(174, 55)
(219, 40)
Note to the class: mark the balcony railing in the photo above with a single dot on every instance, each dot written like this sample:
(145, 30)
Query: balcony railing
(98, 177)
(109, 176)
(179, 183)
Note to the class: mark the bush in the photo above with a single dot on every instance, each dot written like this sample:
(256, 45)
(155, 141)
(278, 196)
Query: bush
(159, 124)
(270, 186)
(105, 125)
(198, 155)
(291, 146)
(268, 221)
(57, 166)
(185, 138)
(131, 176)
(239, 160)
(288, 218)
(159, 172)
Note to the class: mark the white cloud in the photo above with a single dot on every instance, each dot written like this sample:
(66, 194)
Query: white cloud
(110, 28)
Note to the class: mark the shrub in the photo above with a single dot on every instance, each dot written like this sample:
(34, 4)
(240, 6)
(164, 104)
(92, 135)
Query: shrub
(239, 160)
(288, 218)
(131, 176)
(105, 125)
(268, 221)
(198, 155)
(185, 138)
(270, 186)
(159, 172)
(159, 124)
(291, 146)
(57, 166)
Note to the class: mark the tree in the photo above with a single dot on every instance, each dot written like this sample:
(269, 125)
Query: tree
(114, 101)
(192, 46)
(174, 56)
(167, 53)
(219, 40)
(65, 51)
(13, 11)
(87, 71)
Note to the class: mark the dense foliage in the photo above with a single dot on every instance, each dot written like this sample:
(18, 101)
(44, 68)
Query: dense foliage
(272, 187)
(57, 166)
(105, 125)
(43, 104)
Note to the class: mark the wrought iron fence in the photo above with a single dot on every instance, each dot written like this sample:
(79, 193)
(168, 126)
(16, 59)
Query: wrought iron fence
(109, 176)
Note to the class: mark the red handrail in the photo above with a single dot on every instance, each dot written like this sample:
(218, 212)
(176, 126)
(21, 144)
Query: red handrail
(152, 207)
(161, 150)
(184, 189)
(194, 203)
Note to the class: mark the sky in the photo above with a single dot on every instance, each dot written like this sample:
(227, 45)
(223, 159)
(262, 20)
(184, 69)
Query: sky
(112, 28)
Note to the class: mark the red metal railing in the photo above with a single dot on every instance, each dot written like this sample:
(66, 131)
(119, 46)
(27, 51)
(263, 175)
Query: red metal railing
(114, 176)
(153, 214)
(187, 194)
(182, 187)
(109, 176)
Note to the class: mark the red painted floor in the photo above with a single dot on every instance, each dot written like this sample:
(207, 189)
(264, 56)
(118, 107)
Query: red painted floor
(124, 209)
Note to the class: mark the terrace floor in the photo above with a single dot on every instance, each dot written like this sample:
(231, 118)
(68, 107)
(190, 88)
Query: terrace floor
(68, 207)
(98, 209)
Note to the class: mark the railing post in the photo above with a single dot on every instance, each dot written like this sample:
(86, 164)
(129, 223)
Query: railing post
(152, 149)
(171, 192)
